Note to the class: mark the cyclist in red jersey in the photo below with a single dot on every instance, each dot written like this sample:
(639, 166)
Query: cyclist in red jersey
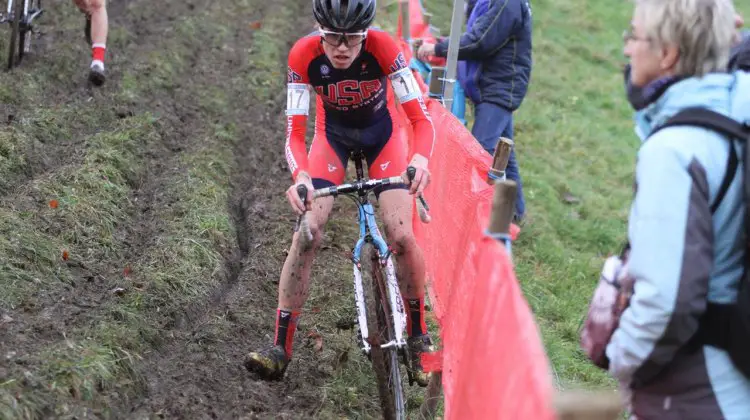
(348, 64)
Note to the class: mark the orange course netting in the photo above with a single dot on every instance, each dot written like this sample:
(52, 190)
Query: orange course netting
(493, 362)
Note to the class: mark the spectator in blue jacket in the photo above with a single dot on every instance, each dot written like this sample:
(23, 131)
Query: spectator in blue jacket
(739, 59)
(494, 70)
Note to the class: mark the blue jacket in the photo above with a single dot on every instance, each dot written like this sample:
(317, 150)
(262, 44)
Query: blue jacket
(498, 42)
(681, 257)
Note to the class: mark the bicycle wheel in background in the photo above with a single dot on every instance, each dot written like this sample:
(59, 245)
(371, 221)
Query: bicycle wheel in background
(380, 331)
(14, 27)
(24, 31)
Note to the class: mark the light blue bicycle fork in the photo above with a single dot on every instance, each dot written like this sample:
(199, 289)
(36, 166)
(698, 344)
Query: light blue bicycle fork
(369, 232)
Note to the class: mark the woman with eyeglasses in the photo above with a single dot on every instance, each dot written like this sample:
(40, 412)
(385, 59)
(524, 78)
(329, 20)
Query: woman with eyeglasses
(687, 222)
(350, 66)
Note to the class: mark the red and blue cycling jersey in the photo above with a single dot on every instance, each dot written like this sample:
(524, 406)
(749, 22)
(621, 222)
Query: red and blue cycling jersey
(355, 110)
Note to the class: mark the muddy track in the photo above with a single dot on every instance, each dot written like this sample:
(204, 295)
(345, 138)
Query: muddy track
(74, 93)
(195, 367)
(199, 374)
(55, 312)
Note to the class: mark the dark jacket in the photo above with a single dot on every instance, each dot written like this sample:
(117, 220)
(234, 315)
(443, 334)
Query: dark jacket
(740, 58)
(500, 40)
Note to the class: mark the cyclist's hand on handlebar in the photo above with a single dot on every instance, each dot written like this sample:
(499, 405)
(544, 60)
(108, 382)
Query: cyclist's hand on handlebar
(294, 200)
(421, 177)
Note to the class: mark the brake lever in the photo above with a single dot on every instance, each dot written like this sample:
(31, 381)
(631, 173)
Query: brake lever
(422, 206)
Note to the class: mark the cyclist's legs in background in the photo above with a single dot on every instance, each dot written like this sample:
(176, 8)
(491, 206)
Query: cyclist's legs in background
(99, 21)
(97, 13)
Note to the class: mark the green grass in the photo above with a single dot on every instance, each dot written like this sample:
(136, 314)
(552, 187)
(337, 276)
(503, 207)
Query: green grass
(92, 200)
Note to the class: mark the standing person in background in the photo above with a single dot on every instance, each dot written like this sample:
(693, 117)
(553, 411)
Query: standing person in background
(97, 26)
(495, 72)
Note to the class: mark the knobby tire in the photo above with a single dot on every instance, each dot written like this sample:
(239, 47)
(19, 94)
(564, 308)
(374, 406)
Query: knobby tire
(384, 361)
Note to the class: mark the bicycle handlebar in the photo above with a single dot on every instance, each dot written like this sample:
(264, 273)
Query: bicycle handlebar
(365, 186)
(359, 186)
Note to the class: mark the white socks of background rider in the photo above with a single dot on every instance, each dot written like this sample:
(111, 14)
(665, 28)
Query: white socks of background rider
(97, 55)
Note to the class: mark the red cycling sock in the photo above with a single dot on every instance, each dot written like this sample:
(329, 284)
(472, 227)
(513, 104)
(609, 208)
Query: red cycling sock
(286, 324)
(97, 52)
(415, 322)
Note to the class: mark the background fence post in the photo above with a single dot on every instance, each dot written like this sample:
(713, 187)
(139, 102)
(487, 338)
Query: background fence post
(457, 21)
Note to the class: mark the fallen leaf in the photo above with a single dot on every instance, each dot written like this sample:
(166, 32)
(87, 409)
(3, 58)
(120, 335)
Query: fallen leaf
(65, 255)
(318, 344)
(53, 204)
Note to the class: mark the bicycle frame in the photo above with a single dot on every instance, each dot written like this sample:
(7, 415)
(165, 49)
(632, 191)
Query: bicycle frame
(369, 232)
(6, 17)
(27, 18)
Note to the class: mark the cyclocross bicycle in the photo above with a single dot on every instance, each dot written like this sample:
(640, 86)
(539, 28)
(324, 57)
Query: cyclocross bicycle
(381, 317)
(20, 15)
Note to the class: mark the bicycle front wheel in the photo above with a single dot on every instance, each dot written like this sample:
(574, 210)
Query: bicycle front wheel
(380, 331)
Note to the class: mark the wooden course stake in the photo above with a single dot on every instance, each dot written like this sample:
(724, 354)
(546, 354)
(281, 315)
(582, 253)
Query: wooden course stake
(588, 405)
(436, 83)
(503, 203)
(500, 160)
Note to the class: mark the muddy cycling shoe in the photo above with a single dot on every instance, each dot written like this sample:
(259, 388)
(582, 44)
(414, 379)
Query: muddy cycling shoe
(96, 74)
(269, 363)
(417, 346)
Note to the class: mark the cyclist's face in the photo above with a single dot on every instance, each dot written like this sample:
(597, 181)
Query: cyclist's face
(341, 49)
